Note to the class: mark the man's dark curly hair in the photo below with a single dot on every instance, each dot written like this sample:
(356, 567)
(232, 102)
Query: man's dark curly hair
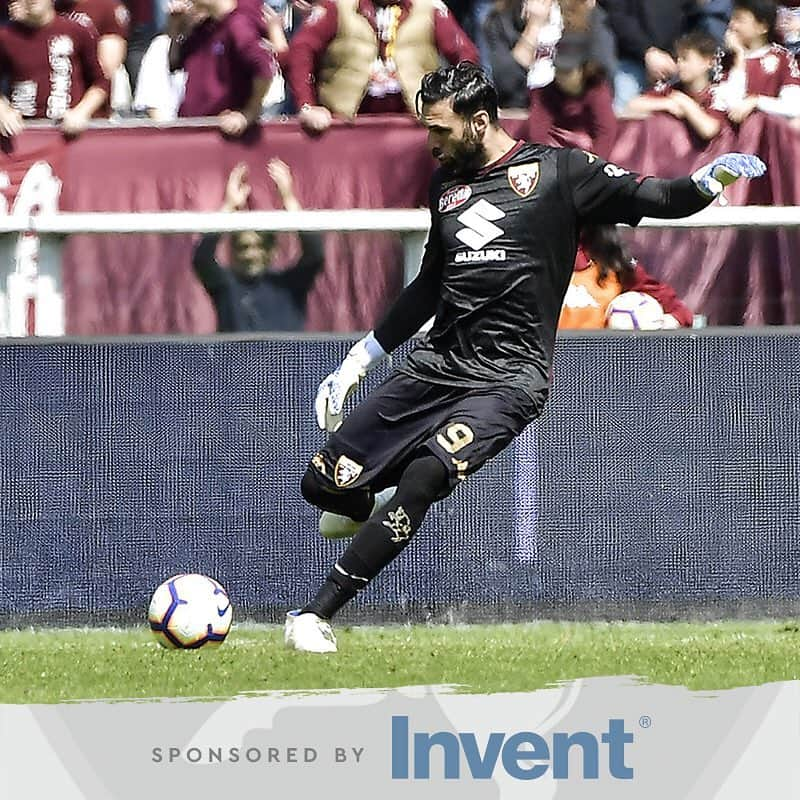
(466, 83)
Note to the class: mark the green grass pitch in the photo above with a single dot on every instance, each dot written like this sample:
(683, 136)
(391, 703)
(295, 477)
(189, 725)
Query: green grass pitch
(52, 665)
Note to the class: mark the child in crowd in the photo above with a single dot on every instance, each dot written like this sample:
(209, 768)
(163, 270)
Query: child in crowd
(603, 270)
(576, 108)
(764, 76)
(789, 27)
(692, 97)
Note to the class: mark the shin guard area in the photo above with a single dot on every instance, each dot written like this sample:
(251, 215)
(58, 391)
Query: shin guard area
(384, 536)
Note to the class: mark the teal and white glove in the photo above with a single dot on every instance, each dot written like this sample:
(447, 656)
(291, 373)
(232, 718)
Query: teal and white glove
(333, 392)
(712, 179)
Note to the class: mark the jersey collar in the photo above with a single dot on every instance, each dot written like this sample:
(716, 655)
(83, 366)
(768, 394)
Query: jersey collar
(502, 160)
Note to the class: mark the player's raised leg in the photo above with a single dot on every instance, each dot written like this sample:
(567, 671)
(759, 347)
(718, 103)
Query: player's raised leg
(326, 485)
(379, 541)
(343, 511)
(473, 430)
(348, 477)
(320, 489)
(340, 526)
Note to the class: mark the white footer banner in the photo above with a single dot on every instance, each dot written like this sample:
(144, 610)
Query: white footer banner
(597, 738)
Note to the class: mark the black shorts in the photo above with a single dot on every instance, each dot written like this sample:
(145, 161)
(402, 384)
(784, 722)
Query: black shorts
(463, 427)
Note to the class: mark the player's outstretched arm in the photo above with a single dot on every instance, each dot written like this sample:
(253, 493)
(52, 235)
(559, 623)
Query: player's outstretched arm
(415, 306)
(606, 193)
(685, 196)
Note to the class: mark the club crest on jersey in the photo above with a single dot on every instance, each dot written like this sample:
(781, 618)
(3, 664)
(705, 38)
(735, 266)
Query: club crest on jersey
(523, 178)
(453, 198)
(346, 471)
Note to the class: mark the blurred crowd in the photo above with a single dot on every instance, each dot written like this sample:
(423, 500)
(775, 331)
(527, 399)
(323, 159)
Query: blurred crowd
(572, 66)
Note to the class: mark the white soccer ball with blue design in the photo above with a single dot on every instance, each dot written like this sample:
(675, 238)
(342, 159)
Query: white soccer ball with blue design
(635, 311)
(190, 611)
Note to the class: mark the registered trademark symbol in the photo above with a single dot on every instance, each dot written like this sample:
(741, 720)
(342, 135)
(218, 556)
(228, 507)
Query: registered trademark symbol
(645, 721)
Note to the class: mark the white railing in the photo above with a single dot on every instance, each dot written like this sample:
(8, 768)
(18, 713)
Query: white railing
(31, 245)
(349, 221)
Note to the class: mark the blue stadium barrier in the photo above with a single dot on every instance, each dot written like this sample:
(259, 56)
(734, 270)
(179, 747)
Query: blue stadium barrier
(662, 482)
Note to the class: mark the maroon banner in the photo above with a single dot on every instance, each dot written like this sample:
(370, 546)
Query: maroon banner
(122, 284)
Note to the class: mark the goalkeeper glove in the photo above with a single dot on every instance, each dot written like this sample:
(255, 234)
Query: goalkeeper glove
(712, 179)
(333, 392)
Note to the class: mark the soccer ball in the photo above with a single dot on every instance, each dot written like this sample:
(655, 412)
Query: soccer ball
(190, 611)
(635, 311)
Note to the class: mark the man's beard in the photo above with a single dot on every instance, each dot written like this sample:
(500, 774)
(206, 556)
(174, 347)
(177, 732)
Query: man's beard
(469, 155)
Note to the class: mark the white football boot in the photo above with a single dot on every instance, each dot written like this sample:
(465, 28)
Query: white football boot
(308, 633)
(337, 526)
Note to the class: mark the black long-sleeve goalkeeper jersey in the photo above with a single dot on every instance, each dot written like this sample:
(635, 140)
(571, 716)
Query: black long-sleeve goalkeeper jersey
(499, 257)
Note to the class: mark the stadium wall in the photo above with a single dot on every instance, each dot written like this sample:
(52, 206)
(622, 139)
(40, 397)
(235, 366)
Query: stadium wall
(662, 482)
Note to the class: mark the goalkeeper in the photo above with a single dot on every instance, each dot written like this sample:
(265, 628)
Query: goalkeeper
(505, 221)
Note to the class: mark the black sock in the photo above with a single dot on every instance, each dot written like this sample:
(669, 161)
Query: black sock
(340, 586)
(383, 537)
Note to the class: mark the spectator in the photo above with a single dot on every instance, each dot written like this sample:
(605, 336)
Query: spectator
(293, 12)
(275, 101)
(471, 15)
(278, 21)
(763, 76)
(110, 20)
(645, 32)
(712, 17)
(273, 18)
(51, 65)
(476, 30)
(789, 26)
(692, 97)
(159, 92)
(250, 296)
(576, 108)
(107, 20)
(228, 69)
(369, 56)
(603, 270)
(142, 29)
(522, 36)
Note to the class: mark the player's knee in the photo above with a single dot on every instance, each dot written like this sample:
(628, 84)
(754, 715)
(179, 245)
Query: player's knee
(425, 479)
(311, 487)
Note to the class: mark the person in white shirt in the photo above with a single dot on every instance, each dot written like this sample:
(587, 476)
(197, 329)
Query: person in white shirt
(158, 91)
(764, 76)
